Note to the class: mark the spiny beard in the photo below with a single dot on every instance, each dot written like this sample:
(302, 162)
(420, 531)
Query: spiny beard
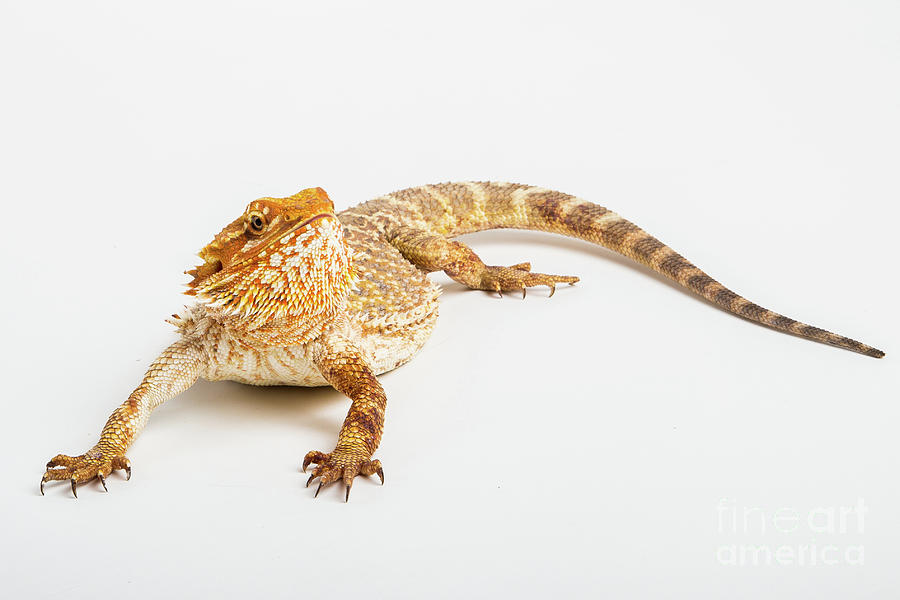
(303, 277)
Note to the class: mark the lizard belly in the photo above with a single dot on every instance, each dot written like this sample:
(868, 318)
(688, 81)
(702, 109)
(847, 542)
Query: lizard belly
(289, 365)
(262, 366)
(386, 348)
(229, 357)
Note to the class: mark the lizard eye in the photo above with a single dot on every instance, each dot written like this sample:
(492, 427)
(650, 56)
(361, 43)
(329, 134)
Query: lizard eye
(256, 223)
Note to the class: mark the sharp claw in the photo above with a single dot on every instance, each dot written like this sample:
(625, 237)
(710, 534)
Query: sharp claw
(103, 481)
(309, 481)
(74, 491)
(523, 292)
(128, 473)
(319, 489)
(42, 484)
(552, 290)
(306, 461)
(380, 472)
(347, 495)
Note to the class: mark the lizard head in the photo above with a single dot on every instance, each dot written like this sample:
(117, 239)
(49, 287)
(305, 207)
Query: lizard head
(282, 257)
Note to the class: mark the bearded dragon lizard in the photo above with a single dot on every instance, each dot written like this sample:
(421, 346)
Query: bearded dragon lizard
(291, 293)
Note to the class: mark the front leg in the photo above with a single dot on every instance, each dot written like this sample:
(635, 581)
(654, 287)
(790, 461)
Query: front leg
(343, 366)
(177, 368)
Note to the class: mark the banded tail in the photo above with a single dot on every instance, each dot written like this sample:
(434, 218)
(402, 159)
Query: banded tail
(456, 208)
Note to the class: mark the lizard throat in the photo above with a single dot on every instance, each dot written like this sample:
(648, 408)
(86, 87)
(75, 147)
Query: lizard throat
(298, 282)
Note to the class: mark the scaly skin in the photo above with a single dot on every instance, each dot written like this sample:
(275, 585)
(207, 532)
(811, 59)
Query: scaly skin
(292, 294)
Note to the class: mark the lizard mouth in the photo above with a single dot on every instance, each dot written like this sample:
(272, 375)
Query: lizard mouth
(215, 263)
(207, 269)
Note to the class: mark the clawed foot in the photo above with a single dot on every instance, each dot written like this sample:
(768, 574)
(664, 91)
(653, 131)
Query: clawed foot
(338, 465)
(520, 277)
(77, 469)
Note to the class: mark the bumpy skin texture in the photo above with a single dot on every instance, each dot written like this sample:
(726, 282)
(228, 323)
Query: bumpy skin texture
(292, 294)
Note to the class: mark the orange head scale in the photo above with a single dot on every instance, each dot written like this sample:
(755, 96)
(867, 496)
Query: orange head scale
(284, 257)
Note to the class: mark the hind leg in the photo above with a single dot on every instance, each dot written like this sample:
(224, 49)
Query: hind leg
(432, 252)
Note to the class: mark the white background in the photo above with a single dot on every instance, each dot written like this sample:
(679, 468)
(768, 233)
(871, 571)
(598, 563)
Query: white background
(587, 445)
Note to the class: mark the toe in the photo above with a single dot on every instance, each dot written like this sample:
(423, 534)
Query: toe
(62, 460)
(349, 474)
(373, 467)
(313, 457)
